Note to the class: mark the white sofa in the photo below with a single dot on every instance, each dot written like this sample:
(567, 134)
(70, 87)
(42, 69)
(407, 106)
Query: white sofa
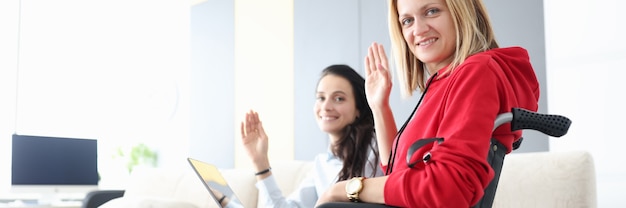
(546, 179)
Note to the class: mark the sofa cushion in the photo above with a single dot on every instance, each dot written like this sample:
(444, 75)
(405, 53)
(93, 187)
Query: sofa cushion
(547, 179)
(180, 187)
(241, 181)
(167, 183)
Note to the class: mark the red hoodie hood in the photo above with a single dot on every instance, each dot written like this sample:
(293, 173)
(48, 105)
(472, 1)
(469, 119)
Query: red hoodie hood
(515, 64)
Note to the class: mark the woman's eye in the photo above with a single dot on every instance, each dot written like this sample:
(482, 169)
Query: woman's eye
(432, 11)
(319, 98)
(339, 99)
(406, 21)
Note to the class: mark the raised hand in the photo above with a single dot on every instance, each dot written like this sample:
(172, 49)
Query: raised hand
(255, 140)
(377, 76)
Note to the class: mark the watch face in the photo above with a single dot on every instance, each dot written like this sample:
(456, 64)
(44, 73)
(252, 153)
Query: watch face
(353, 186)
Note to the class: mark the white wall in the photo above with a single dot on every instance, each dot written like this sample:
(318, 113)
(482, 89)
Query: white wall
(586, 54)
(8, 63)
(113, 70)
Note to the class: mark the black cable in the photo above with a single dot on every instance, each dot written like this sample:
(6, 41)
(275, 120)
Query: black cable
(392, 154)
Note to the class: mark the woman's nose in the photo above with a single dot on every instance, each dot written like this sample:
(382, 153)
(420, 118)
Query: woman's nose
(419, 28)
(326, 105)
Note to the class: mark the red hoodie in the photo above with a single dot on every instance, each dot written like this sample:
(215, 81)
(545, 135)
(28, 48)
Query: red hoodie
(461, 107)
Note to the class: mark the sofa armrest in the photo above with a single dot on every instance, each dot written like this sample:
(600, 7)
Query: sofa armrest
(94, 199)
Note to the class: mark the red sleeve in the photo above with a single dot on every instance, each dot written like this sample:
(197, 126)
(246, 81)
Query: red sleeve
(462, 111)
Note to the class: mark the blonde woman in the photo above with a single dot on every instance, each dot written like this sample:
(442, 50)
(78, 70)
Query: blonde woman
(447, 50)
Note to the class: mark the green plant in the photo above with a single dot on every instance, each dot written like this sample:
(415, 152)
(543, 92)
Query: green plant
(139, 154)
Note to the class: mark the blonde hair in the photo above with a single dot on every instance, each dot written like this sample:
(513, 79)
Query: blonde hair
(474, 34)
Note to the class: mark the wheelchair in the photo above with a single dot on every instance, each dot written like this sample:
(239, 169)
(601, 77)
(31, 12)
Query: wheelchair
(520, 119)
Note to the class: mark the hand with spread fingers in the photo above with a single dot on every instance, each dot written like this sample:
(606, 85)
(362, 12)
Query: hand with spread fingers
(377, 89)
(378, 78)
(255, 140)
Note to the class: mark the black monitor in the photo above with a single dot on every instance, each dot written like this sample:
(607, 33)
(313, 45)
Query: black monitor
(53, 166)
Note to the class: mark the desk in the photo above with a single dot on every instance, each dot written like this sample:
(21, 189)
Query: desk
(34, 200)
(21, 204)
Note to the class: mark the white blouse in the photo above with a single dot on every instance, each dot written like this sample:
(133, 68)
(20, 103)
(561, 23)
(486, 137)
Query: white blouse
(323, 174)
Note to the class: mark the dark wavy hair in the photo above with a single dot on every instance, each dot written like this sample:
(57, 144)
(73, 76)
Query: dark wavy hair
(359, 136)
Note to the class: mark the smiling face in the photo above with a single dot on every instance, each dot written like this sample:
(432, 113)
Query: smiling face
(428, 30)
(335, 106)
